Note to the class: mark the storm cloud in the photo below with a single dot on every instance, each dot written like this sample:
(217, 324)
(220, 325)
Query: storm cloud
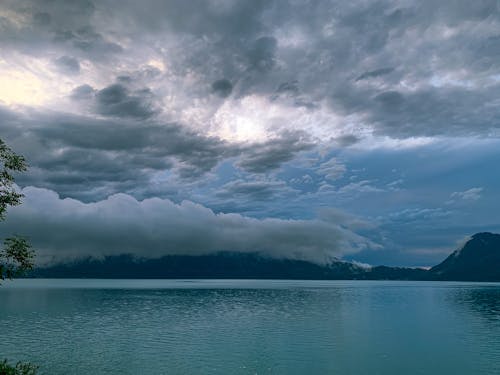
(262, 157)
(113, 155)
(68, 64)
(268, 110)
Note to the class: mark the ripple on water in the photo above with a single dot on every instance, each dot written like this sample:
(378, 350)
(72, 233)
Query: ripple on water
(240, 327)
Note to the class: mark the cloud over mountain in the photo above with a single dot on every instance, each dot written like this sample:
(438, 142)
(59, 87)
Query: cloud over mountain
(155, 227)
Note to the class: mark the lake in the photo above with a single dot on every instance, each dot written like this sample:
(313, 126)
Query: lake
(155, 327)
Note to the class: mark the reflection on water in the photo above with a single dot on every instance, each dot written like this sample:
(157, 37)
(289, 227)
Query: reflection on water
(483, 300)
(248, 327)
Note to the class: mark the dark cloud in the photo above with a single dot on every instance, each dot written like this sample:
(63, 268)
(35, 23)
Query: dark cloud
(289, 93)
(430, 112)
(146, 73)
(288, 88)
(253, 190)
(116, 100)
(259, 45)
(148, 146)
(67, 152)
(347, 140)
(68, 65)
(107, 156)
(83, 92)
(198, 17)
(262, 54)
(42, 19)
(48, 26)
(375, 73)
(269, 155)
(87, 40)
(222, 88)
(390, 100)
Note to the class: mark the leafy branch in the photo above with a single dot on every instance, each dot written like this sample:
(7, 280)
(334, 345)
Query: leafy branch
(17, 255)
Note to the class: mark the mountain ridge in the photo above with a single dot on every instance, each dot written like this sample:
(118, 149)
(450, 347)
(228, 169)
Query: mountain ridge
(477, 260)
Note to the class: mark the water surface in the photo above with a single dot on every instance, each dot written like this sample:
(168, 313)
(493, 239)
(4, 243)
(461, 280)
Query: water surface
(155, 327)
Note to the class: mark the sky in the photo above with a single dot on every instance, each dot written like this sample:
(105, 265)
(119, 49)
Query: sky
(367, 131)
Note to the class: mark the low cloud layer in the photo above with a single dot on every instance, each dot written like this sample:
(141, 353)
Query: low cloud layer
(62, 229)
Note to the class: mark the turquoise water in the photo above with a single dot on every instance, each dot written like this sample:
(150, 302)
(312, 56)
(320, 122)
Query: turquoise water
(154, 327)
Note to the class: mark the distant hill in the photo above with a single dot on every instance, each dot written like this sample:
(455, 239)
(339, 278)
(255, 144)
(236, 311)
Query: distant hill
(216, 266)
(477, 260)
(220, 266)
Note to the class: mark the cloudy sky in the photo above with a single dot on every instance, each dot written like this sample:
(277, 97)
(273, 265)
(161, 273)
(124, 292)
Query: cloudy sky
(362, 130)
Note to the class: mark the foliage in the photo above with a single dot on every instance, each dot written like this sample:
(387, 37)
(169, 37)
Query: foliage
(9, 162)
(19, 369)
(17, 255)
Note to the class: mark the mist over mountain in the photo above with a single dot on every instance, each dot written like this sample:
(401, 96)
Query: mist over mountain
(477, 260)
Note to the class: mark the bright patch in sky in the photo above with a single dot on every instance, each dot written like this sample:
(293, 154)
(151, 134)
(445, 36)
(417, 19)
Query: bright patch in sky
(20, 87)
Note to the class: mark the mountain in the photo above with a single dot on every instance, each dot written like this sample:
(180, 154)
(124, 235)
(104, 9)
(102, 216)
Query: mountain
(216, 266)
(477, 260)
(221, 266)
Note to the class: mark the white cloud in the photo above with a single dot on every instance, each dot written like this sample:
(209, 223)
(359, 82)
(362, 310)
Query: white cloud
(305, 179)
(332, 169)
(67, 228)
(361, 187)
(418, 214)
(472, 194)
